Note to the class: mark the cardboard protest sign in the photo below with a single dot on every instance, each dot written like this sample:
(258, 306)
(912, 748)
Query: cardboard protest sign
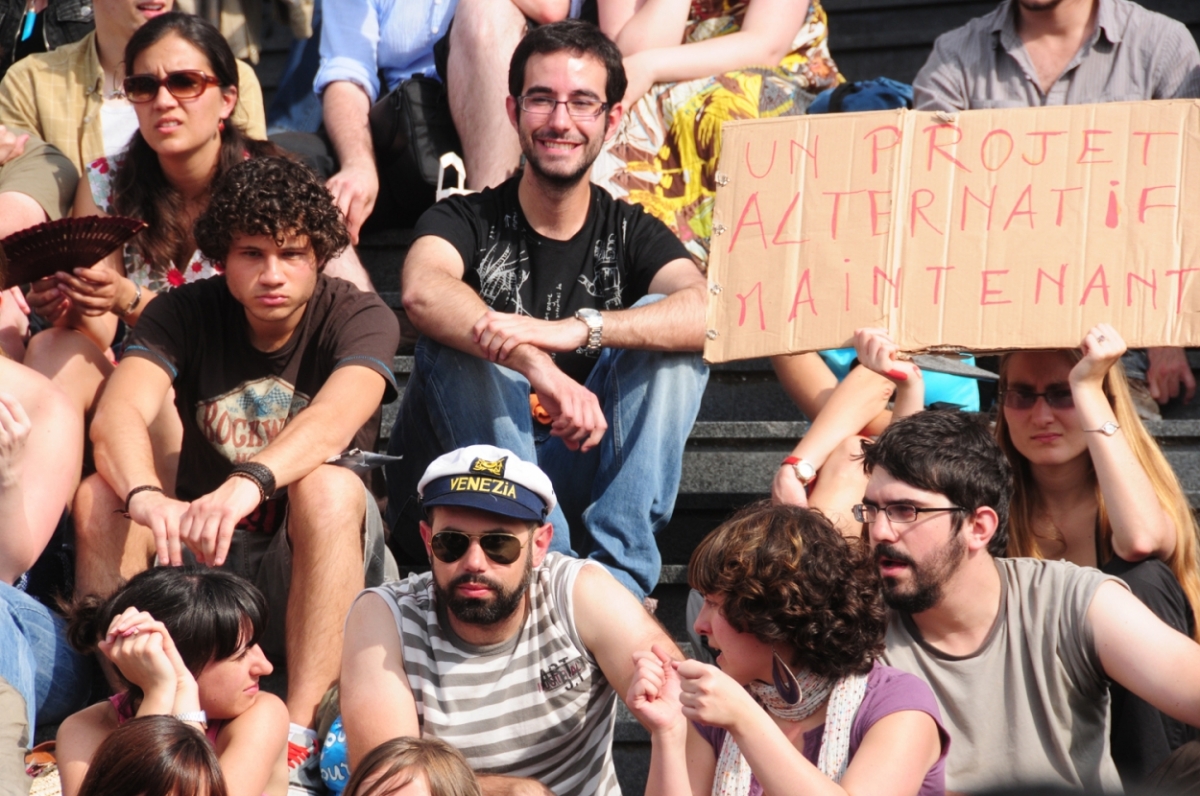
(984, 230)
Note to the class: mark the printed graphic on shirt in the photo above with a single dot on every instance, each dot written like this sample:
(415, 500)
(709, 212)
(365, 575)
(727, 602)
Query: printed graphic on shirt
(503, 270)
(246, 419)
(565, 673)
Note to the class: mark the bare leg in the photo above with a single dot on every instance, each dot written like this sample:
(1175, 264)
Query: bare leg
(840, 485)
(347, 266)
(72, 361)
(482, 41)
(109, 548)
(325, 518)
(19, 211)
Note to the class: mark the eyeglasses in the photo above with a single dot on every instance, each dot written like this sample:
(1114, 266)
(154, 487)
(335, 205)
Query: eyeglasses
(449, 546)
(577, 107)
(1059, 398)
(896, 512)
(186, 84)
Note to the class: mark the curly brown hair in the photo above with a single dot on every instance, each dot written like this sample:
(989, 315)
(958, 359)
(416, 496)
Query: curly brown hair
(271, 196)
(790, 578)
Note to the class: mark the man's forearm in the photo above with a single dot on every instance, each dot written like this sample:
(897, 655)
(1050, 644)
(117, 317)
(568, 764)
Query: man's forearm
(326, 427)
(122, 448)
(345, 107)
(676, 323)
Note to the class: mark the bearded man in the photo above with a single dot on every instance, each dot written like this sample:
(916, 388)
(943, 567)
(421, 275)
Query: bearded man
(1020, 652)
(513, 654)
(557, 322)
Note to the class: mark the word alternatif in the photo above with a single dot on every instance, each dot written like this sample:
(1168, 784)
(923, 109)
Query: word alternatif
(995, 203)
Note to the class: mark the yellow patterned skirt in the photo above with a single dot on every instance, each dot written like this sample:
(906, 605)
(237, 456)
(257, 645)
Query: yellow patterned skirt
(664, 156)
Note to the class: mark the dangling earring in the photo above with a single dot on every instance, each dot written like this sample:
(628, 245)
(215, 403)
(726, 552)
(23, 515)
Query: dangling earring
(785, 682)
(221, 126)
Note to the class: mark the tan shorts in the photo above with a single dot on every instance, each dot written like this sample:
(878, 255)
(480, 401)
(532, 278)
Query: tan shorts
(14, 743)
(266, 561)
(44, 174)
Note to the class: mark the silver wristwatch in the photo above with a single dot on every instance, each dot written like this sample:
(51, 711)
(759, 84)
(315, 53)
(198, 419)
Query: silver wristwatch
(595, 325)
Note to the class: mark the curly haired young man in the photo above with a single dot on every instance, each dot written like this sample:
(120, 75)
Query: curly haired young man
(275, 368)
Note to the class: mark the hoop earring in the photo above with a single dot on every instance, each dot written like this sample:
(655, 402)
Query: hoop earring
(785, 682)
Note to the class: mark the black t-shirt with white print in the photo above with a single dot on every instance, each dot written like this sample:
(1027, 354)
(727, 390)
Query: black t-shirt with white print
(607, 265)
(234, 399)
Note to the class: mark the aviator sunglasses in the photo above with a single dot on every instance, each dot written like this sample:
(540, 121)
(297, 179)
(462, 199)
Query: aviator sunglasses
(1058, 398)
(185, 84)
(449, 546)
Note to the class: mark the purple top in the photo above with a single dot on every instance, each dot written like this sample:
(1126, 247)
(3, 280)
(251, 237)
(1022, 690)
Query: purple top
(888, 691)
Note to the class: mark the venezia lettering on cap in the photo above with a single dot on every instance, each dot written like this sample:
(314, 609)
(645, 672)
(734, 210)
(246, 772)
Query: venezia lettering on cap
(490, 486)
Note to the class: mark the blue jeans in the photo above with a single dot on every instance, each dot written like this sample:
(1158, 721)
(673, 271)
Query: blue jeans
(295, 107)
(622, 491)
(36, 660)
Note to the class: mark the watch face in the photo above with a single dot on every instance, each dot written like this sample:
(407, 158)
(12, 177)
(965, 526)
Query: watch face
(805, 471)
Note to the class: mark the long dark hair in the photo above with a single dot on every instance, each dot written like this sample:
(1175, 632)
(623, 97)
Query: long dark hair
(210, 614)
(140, 189)
(154, 756)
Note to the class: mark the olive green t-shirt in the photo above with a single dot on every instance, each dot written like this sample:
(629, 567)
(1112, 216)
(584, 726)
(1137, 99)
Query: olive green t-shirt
(1030, 706)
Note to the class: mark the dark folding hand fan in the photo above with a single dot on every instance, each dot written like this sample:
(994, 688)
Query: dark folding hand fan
(65, 244)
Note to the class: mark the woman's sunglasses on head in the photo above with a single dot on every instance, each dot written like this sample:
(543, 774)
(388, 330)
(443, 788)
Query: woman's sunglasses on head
(185, 84)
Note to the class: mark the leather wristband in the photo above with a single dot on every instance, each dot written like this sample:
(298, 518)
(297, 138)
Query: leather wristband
(124, 512)
(260, 474)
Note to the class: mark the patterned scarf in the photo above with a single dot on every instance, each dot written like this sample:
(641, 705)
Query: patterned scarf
(732, 776)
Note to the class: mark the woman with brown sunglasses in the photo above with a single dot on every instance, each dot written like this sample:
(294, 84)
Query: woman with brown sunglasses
(1092, 486)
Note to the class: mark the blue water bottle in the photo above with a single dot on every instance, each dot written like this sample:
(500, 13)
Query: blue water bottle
(335, 764)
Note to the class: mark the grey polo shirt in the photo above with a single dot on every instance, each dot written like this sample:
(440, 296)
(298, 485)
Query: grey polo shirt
(1134, 54)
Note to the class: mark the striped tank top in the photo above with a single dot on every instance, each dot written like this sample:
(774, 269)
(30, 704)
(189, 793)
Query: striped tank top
(536, 705)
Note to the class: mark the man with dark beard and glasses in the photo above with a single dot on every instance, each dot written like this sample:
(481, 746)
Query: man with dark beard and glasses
(513, 654)
(1030, 53)
(557, 322)
(1018, 651)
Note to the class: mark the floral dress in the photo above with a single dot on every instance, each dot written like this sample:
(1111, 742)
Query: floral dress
(100, 175)
(664, 156)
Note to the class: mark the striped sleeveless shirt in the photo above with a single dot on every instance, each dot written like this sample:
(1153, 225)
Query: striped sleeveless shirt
(536, 705)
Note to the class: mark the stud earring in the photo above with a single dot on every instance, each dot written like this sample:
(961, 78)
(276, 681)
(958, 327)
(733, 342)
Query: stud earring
(785, 682)
(221, 126)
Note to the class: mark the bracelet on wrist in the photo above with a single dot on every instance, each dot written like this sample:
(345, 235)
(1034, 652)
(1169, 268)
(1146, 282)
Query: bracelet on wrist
(195, 716)
(124, 512)
(259, 474)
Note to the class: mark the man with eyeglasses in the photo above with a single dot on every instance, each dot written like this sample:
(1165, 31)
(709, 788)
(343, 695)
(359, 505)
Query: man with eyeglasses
(557, 322)
(512, 653)
(1018, 651)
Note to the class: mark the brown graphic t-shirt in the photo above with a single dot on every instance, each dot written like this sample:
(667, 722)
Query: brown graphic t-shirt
(234, 399)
